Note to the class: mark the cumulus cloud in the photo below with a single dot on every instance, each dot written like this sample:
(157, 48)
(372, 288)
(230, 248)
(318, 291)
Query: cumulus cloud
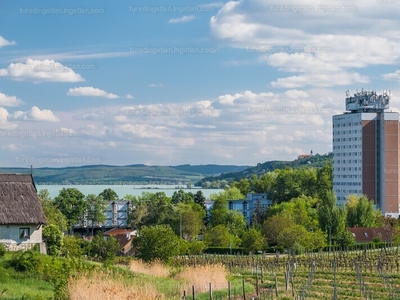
(39, 71)
(183, 19)
(89, 91)
(129, 96)
(4, 123)
(35, 114)
(4, 42)
(298, 37)
(6, 100)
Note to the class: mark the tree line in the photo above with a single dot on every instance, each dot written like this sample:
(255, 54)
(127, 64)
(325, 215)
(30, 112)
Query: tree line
(304, 216)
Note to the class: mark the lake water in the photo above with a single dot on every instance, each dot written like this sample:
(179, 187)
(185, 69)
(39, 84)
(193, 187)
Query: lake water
(123, 190)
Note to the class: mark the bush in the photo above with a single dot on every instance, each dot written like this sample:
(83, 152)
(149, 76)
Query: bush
(2, 250)
(196, 247)
(25, 261)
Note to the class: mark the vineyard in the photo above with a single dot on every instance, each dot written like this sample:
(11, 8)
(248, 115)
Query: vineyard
(365, 273)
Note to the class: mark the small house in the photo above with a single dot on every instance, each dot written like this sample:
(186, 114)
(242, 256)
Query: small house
(124, 238)
(367, 235)
(21, 214)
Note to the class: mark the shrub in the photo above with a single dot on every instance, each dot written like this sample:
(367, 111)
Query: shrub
(25, 261)
(2, 250)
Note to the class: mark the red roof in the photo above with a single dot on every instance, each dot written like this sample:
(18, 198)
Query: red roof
(116, 231)
(365, 235)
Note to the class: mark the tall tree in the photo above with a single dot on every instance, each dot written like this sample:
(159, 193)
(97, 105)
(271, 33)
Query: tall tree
(253, 240)
(156, 242)
(96, 207)
(360, 212)
(109, 195)
(332, 218)
(200, 199)
(53, 215)
(70, 201)
(182, 197)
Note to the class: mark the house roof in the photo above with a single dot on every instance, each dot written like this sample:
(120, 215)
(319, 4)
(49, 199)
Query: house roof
(116, 231)
(364, 235)
(19, 201)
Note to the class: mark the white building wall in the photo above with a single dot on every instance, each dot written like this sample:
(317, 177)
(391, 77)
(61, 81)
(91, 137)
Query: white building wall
(347, 155)
(12, 233)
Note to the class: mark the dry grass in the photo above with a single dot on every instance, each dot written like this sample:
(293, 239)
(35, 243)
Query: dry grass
(154, 269)
(107, 288)
(202, 276)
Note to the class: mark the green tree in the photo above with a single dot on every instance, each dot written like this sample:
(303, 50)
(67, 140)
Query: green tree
(253, 240)
(104, 249)
(218, 236)
(188, 220)
(274, 225)
(200, 199)
(243, 186)
(332, 218)
(360, 212)
(74, 246)
(54, 239)
(70, 201)
(109, 195)
(295, 234)
(53, 215)
(182, 197)
(156, 242)
(96, 207)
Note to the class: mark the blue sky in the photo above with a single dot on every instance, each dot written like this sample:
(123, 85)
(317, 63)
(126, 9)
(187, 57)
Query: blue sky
(238, 82)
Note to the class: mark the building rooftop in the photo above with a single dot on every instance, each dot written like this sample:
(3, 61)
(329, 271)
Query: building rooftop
(367, 101)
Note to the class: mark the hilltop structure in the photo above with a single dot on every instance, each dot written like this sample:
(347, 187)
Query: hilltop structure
(366, 151)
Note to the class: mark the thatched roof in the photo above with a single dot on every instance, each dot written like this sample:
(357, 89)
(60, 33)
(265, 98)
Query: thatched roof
(19, 202)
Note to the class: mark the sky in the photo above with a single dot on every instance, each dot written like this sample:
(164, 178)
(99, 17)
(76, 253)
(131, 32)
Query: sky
(184, 82)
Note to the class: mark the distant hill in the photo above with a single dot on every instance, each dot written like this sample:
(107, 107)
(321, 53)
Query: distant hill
(142, 174)
(315, 161)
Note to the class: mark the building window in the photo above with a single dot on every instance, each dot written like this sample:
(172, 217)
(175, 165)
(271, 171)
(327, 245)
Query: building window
(245, 206)
(24, 233)
(230, 205)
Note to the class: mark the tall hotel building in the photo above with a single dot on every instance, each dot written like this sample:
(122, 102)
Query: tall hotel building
(366, 151)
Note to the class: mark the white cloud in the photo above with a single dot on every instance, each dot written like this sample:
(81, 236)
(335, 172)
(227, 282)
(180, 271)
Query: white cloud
(6, 100)
(392, 76)
(40, 71)
(35, 114)
(4, 42)
(4, 123)
(90, 92)
(129, 96)
(297, 41)
(156, 85)
(183, 19)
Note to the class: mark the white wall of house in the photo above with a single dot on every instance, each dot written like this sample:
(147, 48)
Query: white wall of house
(21, 233)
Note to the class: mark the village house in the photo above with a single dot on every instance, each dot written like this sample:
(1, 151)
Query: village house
(124, 238)
(367, 235)
(21, 214)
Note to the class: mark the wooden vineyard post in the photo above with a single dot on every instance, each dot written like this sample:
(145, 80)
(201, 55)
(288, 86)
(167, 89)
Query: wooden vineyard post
(211, 294)
(193, 294)
(244, 290)
(229, 290)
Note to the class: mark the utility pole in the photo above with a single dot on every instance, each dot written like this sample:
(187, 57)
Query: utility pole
(180, 224)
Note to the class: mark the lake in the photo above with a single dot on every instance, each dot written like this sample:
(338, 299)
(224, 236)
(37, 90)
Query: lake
(123, 190)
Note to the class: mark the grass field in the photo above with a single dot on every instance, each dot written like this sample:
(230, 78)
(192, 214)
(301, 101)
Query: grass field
(363, 274)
